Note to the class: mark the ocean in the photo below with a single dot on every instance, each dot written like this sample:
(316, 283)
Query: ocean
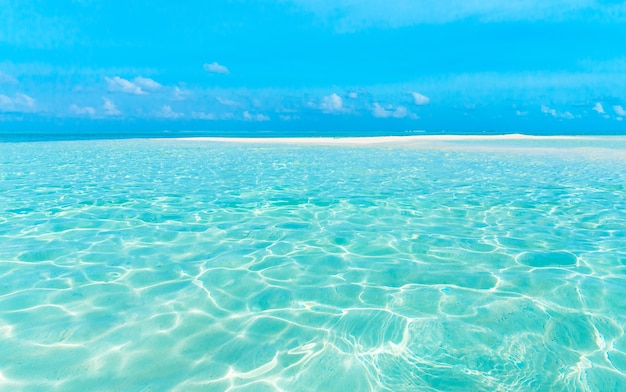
(332, 264)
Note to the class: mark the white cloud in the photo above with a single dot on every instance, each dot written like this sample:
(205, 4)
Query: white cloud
(146, 83)
(167, 112)
(380, 112)
(138, 86)
(619, 110)
(215, 67)
(85, 110)
(109, 108)
(420, 99)
(203, 116)
(25, 100)
(556, 114)
(18, 103)
(117, 84)
(6, 78)
(288, 117)
(353, 95)
(179, 94)
(255, 117)
(390, 111)
(332, 103)
(598, 108)
(226, 101)
(521, 113)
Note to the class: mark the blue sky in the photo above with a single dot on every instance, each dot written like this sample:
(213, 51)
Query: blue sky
(313, 65)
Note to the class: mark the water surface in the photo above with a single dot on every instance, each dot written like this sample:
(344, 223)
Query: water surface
(186, 265)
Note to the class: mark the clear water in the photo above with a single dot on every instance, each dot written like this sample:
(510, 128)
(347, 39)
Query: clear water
(443, 266)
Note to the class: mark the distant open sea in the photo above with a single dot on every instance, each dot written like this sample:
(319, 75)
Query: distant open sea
(387, 264)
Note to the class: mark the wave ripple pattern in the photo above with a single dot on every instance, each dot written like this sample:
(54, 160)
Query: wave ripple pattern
(187, 265)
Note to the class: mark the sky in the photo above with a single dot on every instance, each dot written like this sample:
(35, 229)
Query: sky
(298, 66)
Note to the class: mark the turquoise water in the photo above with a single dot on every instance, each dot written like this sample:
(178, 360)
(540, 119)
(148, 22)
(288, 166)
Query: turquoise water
(436, 266)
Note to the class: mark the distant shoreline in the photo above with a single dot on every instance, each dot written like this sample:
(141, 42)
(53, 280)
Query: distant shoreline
(378, 140)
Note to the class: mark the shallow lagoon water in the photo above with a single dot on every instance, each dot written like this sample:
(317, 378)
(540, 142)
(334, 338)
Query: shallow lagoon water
(192, 265)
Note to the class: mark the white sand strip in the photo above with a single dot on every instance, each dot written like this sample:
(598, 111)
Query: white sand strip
(413, 139)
